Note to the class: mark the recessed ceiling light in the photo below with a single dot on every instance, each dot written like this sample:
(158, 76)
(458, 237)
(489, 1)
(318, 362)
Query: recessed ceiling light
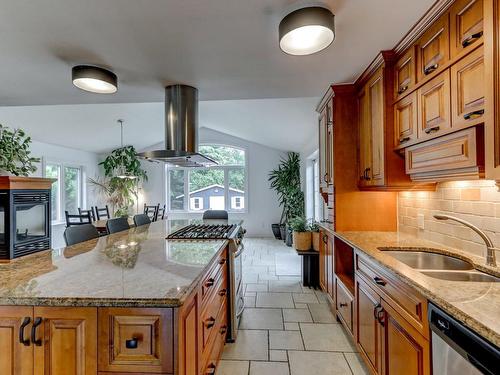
(307, 31)
(94, 79)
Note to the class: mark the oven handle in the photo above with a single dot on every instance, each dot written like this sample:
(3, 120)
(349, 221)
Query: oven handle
(238, 314)
(238, 253)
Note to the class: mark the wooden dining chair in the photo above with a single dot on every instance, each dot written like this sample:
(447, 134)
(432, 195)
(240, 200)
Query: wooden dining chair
(102, 213)
(160, 214)
(215, 214)
(118, 224)
(90, 211)
(74, 219)
(151, 211)
(80, 233)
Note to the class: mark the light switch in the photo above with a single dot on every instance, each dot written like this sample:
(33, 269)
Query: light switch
(420, 221)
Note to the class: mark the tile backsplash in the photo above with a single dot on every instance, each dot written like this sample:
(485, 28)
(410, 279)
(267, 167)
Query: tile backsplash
(475, 201)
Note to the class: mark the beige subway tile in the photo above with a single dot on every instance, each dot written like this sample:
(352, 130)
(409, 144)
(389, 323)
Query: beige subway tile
(462, 207)
(451, 194)
(490, 194)
(470, 194)
(473, 248)
(491, 224)
(483, 208)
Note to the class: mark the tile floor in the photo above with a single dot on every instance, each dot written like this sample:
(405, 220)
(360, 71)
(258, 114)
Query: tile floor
(286, 329)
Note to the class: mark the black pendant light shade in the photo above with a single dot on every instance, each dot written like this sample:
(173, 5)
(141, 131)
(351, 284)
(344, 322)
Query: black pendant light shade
(94, 79)
(307, 31)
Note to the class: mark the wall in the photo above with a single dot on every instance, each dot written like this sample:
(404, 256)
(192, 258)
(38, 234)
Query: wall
(262, 209)
(475, 201)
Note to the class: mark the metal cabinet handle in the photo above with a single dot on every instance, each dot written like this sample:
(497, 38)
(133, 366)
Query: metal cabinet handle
(432, 130)
(22, 340)
(404, 139)
(429, 69)
(36, 323)
(474, 114)
(222, 261)
(380, 316)
(366, 174)
(325, 177)
(379, 281)
(210, 369)
(223, 330)
(242, 300)
(343, 304)
(209, 282)
(471, 39)
(375, 311)
(132, 343)
(402, 89)
(222, 292)
(325, 239)
(209, 322)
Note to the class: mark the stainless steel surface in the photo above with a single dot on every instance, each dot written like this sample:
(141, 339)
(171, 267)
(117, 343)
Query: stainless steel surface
(446, 361)
(462, 276)
(237, 302)
(429, 261)
(490, 248)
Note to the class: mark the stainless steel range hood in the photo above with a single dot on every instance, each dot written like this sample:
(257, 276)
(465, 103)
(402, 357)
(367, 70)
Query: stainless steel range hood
(181, 130)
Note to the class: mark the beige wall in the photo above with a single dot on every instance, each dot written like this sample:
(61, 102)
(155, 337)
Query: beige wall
(475, 201)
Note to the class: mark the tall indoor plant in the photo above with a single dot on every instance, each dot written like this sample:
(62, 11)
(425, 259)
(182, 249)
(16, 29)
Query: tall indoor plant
(286, 181)
(15, 154)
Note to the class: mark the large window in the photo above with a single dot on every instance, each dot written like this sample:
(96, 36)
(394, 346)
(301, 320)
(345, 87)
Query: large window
(66, 191)
(222, 187)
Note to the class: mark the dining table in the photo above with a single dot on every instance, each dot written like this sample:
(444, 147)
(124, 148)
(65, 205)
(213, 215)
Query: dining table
(101, 224)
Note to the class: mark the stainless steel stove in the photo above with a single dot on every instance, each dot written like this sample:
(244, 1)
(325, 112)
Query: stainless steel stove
(204, 232)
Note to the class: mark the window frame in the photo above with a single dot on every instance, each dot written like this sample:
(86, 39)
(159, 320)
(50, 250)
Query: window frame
(225, 168)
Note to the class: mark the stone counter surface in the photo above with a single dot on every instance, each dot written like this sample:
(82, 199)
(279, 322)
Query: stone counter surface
(476, 304)
(134, 268)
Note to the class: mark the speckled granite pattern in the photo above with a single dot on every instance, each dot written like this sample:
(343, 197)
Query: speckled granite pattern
(138, 267)
(477, 304)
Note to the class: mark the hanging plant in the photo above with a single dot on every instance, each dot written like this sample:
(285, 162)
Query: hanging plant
(15, 155)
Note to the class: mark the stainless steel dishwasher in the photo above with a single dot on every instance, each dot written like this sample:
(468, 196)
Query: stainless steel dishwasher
(458, 350)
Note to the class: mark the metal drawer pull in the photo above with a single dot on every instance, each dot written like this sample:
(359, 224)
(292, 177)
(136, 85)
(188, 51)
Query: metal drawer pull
(36, 323)
(242, 308)
(222, 261)
(222, 292)
(471, 39)
(132, 343)
(209, 282)
(432, 130)
(209, 323)
(404, 139)
(22, 340)
(223, 330)
(379, 281)
(210, 369)
(380, 316)
(429, 69)
(402, 89)
(375, 311)
(474, 114)
(325, 177)
(343, 304)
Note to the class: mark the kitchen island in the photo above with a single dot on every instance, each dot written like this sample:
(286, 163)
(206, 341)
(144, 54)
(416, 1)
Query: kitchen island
(130, 302)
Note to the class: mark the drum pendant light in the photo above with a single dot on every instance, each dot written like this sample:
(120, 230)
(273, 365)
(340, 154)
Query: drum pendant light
(306, 31)
(94, 79)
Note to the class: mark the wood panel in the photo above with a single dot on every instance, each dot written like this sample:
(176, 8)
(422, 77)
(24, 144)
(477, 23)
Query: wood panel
(404, 74)
(322, 124)
(188, 336)
(344, 304)
(405, 120)
(466, 26)
(329, 267)
(211, 310)
(18, 182)
(365, 137)
(15, 357)
(467, 90)
(376, 90)
(208, 284)
(68, 341)
(323, 247)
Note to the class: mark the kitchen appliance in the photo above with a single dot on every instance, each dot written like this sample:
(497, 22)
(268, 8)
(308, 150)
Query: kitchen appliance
(220, 229)
(458, 350)
(181, 130)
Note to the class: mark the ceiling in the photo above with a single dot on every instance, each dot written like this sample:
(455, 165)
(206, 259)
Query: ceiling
(226, 48)
(285, 124)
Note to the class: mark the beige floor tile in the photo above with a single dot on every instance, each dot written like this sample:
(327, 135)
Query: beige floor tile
(261, 319)
(326, 337)
(249, 301)
(249, 345)
(297, 315)
(305, 298)
(285, 340)
(321, 313)
(279, 300)
(356, 363)
(269, 368)
(267, 277)
(285, 286)
(301, 305)
(317, 363)
(250, 294)
(256, 287)
(233, 367)
(278, 356)
(292, 327)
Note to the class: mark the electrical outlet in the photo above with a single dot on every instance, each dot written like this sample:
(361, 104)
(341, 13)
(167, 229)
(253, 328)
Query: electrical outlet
(420, 221)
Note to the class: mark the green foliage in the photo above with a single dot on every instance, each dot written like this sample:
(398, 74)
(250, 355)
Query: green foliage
(224, 155)
(14, 152)
(123, 161)
(298, 224)
(286, 181)
(176, 188)
(313, 226)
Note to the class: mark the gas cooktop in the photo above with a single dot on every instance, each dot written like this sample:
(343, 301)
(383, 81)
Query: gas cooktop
(204, 231)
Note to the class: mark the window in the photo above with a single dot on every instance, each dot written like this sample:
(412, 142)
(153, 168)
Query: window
(220, 187)
(66, 191)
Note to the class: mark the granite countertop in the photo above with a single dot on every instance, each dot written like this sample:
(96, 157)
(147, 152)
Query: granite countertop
(476, 304)
(138, 267)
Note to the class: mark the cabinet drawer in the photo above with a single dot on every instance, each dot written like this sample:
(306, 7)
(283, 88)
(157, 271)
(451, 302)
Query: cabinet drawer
(209, 282)
(405, 119)
(210, 314)
(343, 303)
(213, 350)
(135, 340)
(466, 25)
(404, 73)
(407, 301)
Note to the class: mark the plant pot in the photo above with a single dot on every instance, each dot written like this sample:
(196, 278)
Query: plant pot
(315, 241)
(289, 236)
(283, 232)
(302, 240)
(276, 231)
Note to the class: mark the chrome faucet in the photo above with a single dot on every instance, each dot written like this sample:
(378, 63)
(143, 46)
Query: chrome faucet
(490, 248)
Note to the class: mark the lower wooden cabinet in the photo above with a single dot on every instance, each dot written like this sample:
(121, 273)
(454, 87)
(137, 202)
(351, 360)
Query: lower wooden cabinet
(326, 275)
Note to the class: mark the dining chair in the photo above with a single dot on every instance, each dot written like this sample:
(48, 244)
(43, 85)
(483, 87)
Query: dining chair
(80, 233)
(117, 225)
(102, 213)
(160, 214)
(90, 211)
(151, 211)
(215, 214)
(74, 219)
(141, 219)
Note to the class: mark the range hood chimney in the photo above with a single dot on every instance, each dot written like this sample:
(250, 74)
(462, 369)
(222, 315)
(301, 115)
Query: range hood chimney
(181, 130)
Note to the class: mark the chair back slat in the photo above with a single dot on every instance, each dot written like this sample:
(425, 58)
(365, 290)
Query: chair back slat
(74, 219)
(102, 213)
(160, 214)
(117, 225)
(151, 211)
(80, 233)
(90, 211)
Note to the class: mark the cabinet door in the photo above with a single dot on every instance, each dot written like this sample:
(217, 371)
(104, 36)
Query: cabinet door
(68, 341)
(329, 267)
(434, 107)
(365, 141)
(329, 143)
(377, 115)
(189, 337)
(322, 261)
(466, 25)
(433, 48)
(322, 149)
(368, 330)
(404, 73)
(405, 351)
(16, 358)
(467, 90)
(405, 119)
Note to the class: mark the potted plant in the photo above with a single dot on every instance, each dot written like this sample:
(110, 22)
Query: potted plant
(15, 155)
(286, 181)
(301, 233)
(314, 228)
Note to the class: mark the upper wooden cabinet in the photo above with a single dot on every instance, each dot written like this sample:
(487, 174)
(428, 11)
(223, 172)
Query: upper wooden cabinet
(466, 26)
(405, 120)
(326, 144)
(365, 139)
(404, 74)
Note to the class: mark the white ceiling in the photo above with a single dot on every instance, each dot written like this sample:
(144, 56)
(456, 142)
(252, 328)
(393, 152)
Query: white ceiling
(226, 48)
(285, 124)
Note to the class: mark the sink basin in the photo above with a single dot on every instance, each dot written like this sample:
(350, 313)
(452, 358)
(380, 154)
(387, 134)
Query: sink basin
(462, 276)
(429, 261)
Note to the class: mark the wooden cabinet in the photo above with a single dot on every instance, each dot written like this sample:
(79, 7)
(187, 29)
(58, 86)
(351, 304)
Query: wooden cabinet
(466, 26)
(467, 90)
(326, 144)
(323, 248)
(404, 74)
(405, 120)
(326, 277)
(344, 304)
(365, 141)
(16, 357)
(322, 125)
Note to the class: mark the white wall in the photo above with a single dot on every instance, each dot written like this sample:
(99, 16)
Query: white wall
(262, 209)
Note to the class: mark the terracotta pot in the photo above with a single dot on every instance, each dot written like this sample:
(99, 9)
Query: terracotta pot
(315, 240)
(302, 240)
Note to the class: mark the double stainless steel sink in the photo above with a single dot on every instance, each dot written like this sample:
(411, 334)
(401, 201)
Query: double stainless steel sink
(440, 266)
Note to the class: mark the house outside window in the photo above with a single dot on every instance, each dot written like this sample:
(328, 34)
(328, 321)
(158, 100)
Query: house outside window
(212, 187)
